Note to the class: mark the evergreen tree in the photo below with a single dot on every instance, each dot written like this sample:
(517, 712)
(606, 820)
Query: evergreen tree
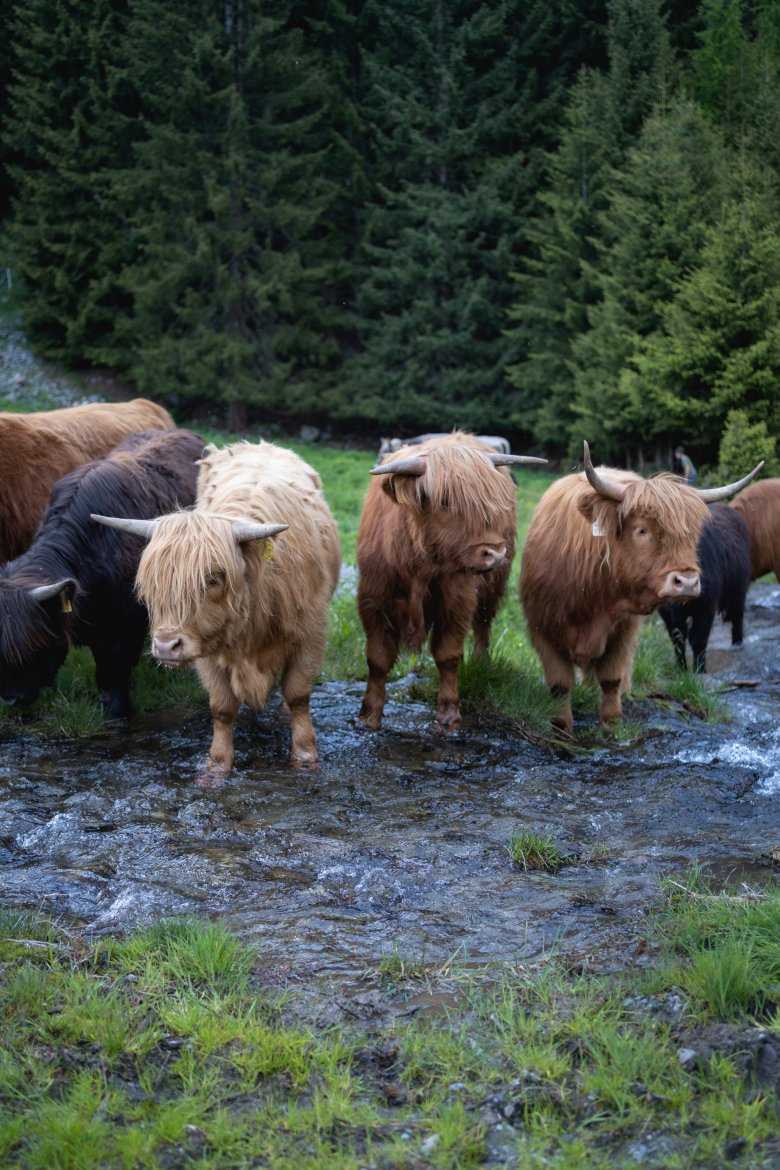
(558, 283)
(67, 239)
(233, 197)
(718, 348)
(451, 94)
(670, 188)
(553, 288)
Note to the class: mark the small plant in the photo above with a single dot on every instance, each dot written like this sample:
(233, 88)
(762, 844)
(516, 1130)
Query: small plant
(397, 967)
(531, 850)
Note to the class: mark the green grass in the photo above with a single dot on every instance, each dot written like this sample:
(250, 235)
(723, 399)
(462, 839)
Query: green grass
(531, 849)
(165, 1049)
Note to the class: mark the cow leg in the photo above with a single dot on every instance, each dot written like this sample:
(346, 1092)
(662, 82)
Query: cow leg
(560, 678)
(613, 669)
(489, 597)
(699, 636)
(447, 641)
(296, 692)
(224, 707)
(735, 615)
(381, 653)
(675, 623)
(114, 662)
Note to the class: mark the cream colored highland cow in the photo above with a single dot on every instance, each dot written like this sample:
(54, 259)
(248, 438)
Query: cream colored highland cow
(240, 587)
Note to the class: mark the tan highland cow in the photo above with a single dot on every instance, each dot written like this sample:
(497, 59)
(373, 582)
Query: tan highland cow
(37, 449)
(240, 587)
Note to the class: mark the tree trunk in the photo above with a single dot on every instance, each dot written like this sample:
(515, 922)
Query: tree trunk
(236, 417)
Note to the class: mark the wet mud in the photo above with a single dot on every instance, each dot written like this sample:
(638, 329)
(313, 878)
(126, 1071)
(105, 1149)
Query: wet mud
(399, 840)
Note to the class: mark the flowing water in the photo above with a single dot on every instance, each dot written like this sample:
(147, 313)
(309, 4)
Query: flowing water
(399, 839)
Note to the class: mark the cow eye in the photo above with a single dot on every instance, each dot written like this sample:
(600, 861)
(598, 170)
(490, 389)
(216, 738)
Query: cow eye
(215, 580)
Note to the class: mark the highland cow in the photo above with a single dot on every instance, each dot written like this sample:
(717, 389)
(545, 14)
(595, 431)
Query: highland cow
(74, 586)
(604, 548)
(240, 587)
(37, 449)
(724, 558)
(434, 550)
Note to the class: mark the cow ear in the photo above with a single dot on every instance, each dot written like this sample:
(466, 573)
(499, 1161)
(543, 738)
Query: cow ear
(65, 588)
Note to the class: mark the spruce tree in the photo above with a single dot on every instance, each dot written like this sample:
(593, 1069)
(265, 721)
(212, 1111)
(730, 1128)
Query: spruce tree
(450, 94)
(233, 196)
(68, 241)
(670, 188)
(718, 348)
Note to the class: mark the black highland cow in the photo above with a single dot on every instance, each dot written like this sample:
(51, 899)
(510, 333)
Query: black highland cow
(74, 586)
(724, 558)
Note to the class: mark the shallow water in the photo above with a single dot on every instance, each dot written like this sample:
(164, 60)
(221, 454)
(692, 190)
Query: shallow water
(399, 839)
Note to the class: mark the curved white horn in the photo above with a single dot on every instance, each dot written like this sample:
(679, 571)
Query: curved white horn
(44, 592)
(609, 488)
(510, 460)
(712, 495)
(412, 465)
(247, 531)
(135, 527)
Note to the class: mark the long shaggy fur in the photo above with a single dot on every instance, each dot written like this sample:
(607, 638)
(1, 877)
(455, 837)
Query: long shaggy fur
(759, 504)
(245, 482)
(148, 473)
(39, 448)
(724, 556)
(584, 587)
(251, 612)
(415, 552)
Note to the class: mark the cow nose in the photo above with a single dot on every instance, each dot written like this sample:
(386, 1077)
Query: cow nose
(683, 585)
(492, 555)
(168, 649)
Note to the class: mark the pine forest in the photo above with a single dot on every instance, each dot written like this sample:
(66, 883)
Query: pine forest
(547, 219)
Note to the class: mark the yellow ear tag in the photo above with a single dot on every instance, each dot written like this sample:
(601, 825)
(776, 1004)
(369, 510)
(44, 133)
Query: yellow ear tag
(66, 605)
(268, 549)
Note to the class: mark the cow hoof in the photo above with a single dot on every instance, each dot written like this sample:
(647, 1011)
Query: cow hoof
(370, 720)
(212, 776)
(307, 760)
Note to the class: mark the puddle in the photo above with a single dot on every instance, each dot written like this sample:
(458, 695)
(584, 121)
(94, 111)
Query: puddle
(399, 840)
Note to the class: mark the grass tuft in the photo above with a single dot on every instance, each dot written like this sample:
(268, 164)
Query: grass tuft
(529, 849)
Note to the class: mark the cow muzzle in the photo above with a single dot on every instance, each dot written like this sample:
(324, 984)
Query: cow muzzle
(170, 651)
(682, 585)
(489, 556)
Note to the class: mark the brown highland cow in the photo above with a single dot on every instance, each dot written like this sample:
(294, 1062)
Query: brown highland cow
(604, 548)
(434, 550)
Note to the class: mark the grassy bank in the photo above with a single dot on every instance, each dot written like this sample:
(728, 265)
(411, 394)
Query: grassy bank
(176, 1047)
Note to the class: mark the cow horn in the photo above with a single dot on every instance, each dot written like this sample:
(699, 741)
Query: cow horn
(609, 488)
(711, 495)
(247, 531)
(44, 592)
(411, 465)
(511, 460)
(134, 526)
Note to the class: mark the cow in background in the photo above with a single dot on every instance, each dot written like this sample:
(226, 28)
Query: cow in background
(759, 504)
(391, 446)
(724, 559)
(37, 449)
(240, 587)
(604, 548)
(74, 586)
(434, 550)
